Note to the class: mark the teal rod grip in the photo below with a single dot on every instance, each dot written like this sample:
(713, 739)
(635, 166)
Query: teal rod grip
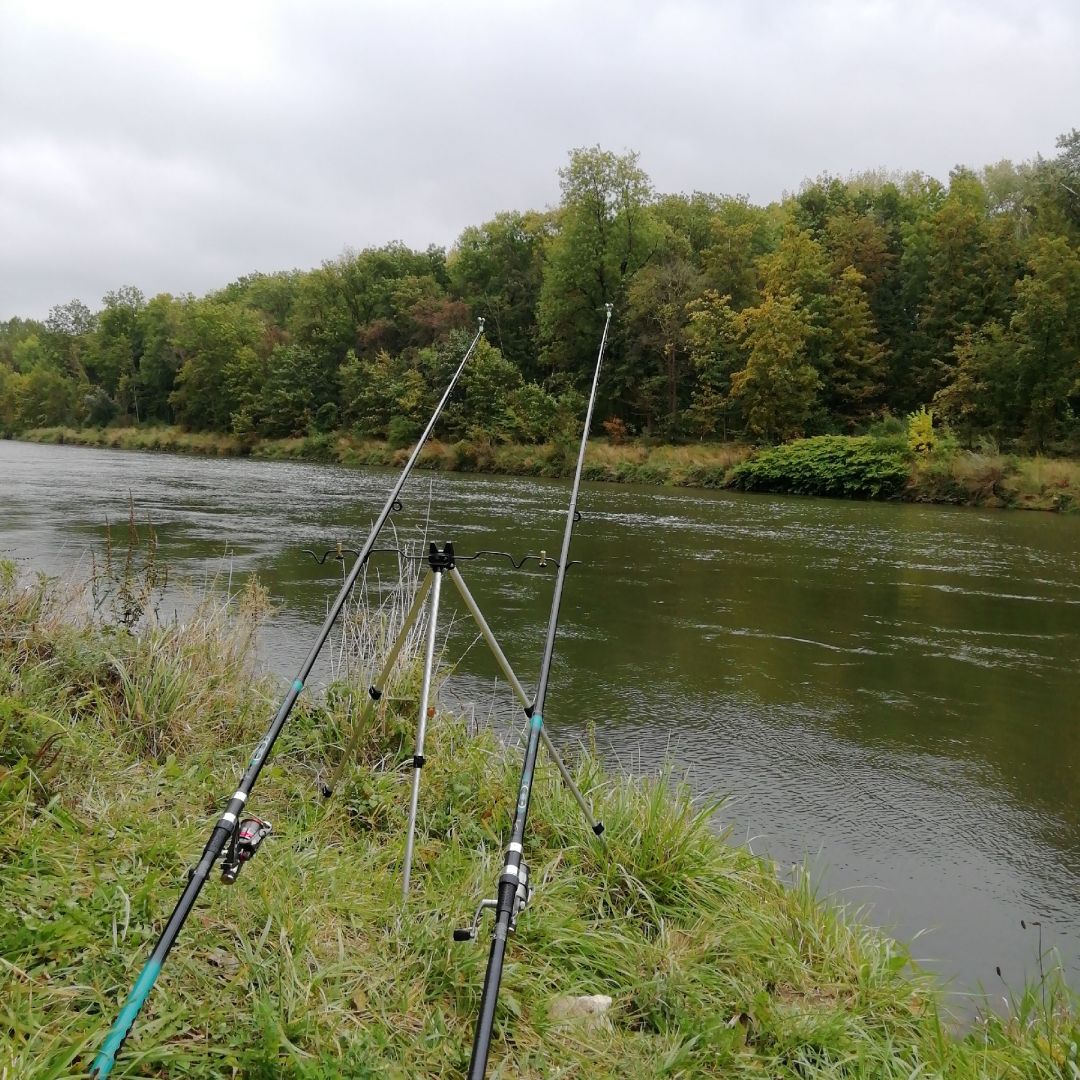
(106, 1056)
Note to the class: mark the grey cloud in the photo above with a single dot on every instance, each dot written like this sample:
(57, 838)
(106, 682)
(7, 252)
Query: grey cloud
(129, 157)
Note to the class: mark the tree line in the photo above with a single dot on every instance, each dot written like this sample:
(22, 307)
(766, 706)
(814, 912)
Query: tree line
(821, 313)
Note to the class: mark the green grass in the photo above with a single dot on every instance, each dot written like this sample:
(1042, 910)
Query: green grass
(117, 752)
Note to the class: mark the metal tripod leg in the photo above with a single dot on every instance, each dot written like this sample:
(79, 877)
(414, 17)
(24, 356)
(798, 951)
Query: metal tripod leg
(500, 658)
(375, 691)
(421, 730)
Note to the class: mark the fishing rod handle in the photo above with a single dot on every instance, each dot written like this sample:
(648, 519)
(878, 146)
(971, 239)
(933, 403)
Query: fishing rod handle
(504, 906)
(106, 1056)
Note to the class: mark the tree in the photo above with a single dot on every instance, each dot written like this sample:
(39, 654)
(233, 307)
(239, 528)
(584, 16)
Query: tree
(856, 365)
(497, 269)
(482, 409)
(656, 314)
(281, 396)
(740, 235)
(67, 328)
(606, 233)
(1046, 329)
(114, 347)
(31, 352)
(369, 389)
(1022, 382)
(158, 329)
(210, 338)
(971, 262)
(715, 355)
(982, 396)
(10, 388)
(777, 388)
(45, 398)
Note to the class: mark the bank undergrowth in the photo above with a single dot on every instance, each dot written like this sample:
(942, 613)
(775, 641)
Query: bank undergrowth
(118, 750)
(859, 467)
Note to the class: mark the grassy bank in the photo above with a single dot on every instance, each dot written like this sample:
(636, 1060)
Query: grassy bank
(853, 467)
(116, 751)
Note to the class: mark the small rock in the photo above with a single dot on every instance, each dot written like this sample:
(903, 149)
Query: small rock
(588, 1010)
(219, 958)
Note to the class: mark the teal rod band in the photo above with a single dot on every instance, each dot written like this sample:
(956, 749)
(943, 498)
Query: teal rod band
(106, 1056)
(298, 686)
(537, 721)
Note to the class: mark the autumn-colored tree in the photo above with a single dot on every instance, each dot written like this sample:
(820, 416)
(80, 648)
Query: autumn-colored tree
(777, 389)
(716, 353)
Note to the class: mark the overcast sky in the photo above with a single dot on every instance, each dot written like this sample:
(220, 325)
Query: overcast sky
(175, 147)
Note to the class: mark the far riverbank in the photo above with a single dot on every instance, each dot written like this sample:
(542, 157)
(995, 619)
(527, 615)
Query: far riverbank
(953, 477)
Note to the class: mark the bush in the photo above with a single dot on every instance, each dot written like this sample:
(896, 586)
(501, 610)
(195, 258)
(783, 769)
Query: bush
(858, 467)
(402, 432)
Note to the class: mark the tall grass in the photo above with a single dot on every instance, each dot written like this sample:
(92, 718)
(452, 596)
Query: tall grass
(118, 751)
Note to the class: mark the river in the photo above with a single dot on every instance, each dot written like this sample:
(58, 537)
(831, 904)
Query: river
(888, 692)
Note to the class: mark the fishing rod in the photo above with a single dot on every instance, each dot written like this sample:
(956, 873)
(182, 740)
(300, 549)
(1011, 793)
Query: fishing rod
(514, 888)
(244, 835)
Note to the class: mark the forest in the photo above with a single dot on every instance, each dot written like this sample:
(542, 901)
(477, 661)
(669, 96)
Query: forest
(842, 305)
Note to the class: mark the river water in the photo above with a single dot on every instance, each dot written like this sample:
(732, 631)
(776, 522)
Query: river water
(888, 692)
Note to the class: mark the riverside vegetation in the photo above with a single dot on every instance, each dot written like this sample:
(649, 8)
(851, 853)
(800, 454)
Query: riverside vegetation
(118, 737)
(822, 314)
(913, 461)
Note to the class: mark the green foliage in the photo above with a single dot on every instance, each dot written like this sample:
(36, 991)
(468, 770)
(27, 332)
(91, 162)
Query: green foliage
(716, 353)
(483, 408)
(533, 413)
(813, 314)
(283, 395)
(45, 398)
(497, 269)
(777, 389)
(215, 341)
(857, 467)
(606, 233)
(854, 359)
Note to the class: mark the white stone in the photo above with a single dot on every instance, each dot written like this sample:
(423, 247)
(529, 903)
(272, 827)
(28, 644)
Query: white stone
(588, 1010)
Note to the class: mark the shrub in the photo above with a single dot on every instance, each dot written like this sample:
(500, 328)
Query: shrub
(616, 430)
(921, 436)
(850, 466)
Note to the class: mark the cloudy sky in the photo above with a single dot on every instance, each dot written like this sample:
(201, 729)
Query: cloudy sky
(177, 146)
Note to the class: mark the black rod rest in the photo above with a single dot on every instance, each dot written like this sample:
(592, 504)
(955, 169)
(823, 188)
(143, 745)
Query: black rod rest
(440, 561)
(338, 553)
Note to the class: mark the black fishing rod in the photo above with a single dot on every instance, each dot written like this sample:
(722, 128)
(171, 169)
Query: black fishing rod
(244, 835)
(514, 887)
